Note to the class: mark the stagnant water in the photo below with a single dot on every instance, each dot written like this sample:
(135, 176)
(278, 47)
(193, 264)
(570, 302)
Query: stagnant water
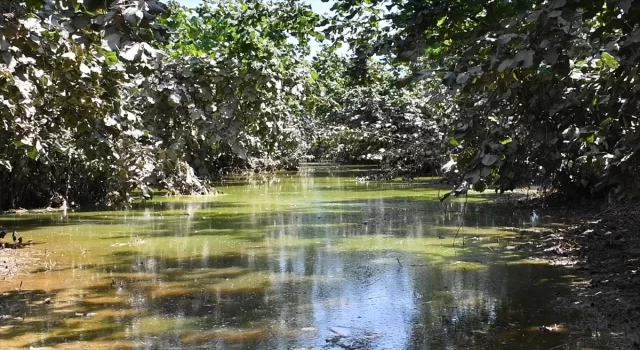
(313, 260)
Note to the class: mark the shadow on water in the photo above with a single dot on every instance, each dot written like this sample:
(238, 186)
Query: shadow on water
(282, 266)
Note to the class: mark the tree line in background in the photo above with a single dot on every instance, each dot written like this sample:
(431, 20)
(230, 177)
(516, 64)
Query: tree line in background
(102, 98)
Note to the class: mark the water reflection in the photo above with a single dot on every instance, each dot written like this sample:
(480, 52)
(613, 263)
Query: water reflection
(310, 261)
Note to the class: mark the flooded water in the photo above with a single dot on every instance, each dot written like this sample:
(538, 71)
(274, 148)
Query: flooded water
(314, 260)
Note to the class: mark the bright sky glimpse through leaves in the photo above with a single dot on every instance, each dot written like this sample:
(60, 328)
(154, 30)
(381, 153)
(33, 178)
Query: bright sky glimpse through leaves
(317, 5)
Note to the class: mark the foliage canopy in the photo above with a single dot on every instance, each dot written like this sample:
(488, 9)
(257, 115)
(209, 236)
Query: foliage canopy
(102, 98)
(542, 90)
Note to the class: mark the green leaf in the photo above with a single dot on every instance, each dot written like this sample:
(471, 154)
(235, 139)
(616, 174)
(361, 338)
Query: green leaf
(111, 57)
(453, 141)
(610, 61)
(506, 141)
(314, 75)
(33, 153)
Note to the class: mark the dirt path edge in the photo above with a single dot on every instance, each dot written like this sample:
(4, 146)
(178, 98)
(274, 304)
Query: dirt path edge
(602, 247)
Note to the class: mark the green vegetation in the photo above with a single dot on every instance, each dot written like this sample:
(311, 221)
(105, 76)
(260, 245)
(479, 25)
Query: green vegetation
(104, 98)
(98, 100)
(540, 91)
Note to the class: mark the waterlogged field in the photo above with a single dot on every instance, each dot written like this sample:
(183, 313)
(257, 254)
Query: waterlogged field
(311, 260)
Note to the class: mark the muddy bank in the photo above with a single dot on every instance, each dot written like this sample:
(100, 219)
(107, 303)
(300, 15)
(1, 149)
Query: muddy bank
(603, 248)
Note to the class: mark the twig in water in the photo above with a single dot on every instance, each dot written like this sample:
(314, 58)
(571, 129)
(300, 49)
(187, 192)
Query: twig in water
(464, 211)
(399, 263)
(20, 288)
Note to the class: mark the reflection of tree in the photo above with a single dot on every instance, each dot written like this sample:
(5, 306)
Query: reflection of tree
(283, 282)
(479, 308)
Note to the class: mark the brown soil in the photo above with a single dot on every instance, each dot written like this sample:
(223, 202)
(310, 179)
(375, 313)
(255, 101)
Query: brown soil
(602, 247)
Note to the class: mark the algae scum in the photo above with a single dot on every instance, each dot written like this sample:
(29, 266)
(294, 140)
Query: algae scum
(312, 260)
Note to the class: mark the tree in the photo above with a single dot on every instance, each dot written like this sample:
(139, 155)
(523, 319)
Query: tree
(374, 122)
(542, 90)
(101, 101)
(237, 69)
(61, 85)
